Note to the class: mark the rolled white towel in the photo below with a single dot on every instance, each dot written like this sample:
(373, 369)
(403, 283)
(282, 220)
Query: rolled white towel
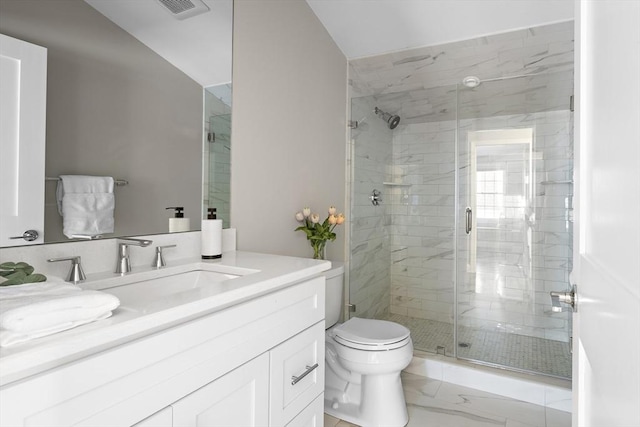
(38, 309)
(9, 338)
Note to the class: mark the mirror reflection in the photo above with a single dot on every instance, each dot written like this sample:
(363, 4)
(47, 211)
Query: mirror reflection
(125, 88)
(217, 151)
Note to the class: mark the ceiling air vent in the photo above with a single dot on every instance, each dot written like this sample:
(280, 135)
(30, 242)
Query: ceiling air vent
(182, 9)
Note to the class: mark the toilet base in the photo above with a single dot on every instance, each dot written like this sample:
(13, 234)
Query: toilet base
(382, 402)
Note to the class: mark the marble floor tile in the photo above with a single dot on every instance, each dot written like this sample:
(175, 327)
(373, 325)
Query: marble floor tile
(556, 418)
(330, 421)
(436, 403)
(421, 416)
(480, 403)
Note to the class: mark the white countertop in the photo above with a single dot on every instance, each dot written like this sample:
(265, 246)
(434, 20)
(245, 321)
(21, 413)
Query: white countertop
(259, 274)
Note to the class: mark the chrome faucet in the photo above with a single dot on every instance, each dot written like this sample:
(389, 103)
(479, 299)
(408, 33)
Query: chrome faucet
(124, 263)
(76, 275)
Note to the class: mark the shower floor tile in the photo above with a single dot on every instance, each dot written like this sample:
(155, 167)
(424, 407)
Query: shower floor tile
(511, 350)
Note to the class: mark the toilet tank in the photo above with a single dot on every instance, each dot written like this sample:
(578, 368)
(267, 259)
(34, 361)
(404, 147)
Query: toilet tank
(334, 291)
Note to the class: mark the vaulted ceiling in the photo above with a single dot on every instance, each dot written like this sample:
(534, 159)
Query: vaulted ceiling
(359, 27)
(372, 27)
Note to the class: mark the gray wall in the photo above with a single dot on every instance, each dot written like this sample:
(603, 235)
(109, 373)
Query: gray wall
(289, 110)
(114, 108)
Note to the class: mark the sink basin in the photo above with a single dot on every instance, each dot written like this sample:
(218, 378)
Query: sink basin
(152, 294)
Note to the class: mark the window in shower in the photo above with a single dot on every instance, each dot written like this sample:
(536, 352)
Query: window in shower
(490, 195)
(499, 177)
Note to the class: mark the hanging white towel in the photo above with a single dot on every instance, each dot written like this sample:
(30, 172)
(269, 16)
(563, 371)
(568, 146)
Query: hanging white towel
(38, 309)
(87, 204)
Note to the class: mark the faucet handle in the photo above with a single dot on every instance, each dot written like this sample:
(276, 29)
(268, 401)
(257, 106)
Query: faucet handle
(76, 274)
(158, 260)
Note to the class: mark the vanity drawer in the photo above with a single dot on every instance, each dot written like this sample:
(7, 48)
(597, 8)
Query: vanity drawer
(297, 374)
(311, 416)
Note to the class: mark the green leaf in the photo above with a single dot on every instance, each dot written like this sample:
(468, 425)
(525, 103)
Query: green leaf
(17, 278)
(34, 278)
(18, 274)
(12, 282)
(28, 269)
(8, 265)
(22, 265)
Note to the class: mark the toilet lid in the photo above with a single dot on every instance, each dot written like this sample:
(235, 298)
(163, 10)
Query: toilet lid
(371, 334)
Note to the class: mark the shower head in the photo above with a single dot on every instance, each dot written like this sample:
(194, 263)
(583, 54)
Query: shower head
(392, 120)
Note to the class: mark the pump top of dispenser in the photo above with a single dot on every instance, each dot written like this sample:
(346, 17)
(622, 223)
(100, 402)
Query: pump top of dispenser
(211, 213)
(179, 211)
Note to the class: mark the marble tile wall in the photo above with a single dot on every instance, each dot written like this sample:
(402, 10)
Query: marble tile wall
(539, 50)
(422, 223)
(370, 154)
(420, 86)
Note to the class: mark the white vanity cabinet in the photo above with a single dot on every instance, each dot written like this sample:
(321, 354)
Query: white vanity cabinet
(233, 367)
(238, 399)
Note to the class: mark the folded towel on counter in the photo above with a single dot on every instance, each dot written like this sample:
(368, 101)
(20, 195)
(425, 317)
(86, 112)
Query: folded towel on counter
(87, 204)
(37, 309)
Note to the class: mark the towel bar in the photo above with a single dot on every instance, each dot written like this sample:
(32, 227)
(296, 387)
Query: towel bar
(119, 182)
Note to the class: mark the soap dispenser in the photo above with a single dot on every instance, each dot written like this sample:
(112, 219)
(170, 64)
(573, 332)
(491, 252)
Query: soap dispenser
(179, 222)
(211, 235)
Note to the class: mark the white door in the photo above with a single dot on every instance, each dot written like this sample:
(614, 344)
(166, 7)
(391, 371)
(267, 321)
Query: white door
(606, 371)
(23, 93)
(238, 399)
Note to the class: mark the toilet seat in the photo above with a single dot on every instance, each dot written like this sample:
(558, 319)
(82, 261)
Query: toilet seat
(371, 334)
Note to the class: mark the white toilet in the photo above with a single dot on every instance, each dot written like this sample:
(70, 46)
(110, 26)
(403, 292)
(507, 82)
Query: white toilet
(363, 360)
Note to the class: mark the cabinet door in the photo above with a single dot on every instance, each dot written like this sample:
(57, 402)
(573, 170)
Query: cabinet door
(311, 416)
(239, 398)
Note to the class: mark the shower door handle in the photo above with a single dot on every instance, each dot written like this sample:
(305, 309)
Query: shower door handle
(469, 220)
(569, 298)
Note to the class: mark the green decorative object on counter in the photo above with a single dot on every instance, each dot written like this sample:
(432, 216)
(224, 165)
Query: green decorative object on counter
(19, 273)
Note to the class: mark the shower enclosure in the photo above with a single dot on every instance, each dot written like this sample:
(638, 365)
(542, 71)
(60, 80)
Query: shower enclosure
(472, 225)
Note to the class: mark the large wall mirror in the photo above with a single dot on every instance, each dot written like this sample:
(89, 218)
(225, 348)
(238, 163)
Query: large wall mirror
(137, 91)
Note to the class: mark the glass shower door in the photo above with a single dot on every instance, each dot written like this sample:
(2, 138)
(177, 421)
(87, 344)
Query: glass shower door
(515, 162)
(401, 265)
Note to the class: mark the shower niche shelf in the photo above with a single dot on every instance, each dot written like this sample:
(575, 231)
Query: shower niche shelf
(395, 184)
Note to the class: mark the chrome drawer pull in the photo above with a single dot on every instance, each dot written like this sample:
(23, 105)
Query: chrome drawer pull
(294, 379)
